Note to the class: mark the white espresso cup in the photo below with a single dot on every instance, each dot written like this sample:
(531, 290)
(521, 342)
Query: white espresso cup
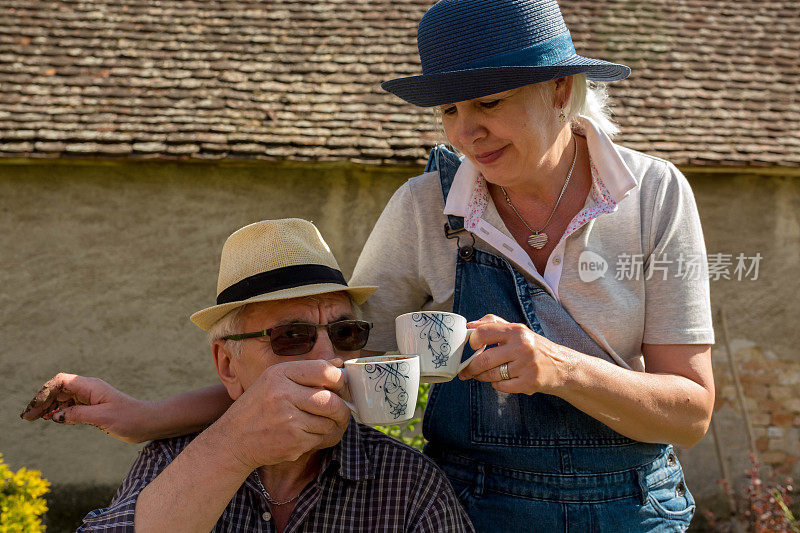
(383, 388)
(438, 338)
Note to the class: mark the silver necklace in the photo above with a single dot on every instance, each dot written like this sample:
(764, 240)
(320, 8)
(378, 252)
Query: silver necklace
(270, 498)
(538, 238)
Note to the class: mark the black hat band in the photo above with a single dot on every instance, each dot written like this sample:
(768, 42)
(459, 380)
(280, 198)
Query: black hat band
(281, 278)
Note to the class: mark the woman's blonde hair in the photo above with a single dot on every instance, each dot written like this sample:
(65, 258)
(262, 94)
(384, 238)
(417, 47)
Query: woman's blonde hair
(588, 98)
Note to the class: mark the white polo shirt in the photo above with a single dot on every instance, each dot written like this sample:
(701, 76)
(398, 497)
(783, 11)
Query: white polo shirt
(630, 268)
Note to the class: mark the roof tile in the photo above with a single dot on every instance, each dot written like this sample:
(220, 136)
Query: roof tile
(714, 83)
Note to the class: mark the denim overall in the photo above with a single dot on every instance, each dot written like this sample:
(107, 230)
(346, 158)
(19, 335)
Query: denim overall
(536, 463)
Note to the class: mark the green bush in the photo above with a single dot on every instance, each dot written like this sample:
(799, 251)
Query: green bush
(405, 433)
(21, 502)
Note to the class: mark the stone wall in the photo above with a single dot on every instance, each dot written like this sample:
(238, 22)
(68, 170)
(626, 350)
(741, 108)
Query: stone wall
(101, 264)
(771, 398)
(771, 388)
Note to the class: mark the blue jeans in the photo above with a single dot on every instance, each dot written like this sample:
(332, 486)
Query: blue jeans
(534, 462)
(651, 497)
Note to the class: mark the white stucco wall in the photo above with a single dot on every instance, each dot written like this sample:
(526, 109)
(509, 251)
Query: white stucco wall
(101, 264)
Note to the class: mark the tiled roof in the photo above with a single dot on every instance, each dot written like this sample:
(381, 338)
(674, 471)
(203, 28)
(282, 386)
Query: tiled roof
(715, 82)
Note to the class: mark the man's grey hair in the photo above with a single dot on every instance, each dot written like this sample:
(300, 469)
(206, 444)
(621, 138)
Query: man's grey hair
(231, 324)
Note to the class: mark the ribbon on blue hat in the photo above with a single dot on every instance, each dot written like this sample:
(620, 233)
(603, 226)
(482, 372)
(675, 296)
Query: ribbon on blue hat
(544, 54)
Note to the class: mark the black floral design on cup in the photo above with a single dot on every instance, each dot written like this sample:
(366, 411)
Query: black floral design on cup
(436, 330)
(391, 379)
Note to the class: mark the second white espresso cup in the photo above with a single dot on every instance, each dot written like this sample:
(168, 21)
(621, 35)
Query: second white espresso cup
(438, 337)
(383, 388)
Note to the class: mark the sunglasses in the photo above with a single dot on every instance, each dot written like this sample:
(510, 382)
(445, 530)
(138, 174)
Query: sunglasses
(299, 339)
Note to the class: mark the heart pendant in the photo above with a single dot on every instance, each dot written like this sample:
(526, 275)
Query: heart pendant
(538, 240)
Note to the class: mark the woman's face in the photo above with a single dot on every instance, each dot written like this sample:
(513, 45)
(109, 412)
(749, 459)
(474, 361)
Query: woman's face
(506, 135)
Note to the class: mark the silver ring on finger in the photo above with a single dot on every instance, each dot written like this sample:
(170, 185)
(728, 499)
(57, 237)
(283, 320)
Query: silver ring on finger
(504, 371)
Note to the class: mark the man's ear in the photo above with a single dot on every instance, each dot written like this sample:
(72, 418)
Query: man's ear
(224, 360)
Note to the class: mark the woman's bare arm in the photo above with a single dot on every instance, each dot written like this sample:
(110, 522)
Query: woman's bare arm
(72, 399)
(671, 402)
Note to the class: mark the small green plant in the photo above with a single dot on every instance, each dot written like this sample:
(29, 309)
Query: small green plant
(406, 433)
(788, 516)
(21, 502)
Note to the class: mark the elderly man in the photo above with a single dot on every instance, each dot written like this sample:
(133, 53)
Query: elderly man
(285, 456)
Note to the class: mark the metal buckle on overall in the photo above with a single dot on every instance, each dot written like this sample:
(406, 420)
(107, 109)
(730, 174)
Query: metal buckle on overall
(466, 252)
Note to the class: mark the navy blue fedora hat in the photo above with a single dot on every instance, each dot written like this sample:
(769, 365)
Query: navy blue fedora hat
(473, 48)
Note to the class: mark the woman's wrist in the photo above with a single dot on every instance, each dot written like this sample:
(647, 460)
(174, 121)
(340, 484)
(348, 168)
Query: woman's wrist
(563, 363)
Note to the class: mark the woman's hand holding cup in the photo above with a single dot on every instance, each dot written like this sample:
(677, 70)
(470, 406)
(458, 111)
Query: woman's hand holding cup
(533, 362)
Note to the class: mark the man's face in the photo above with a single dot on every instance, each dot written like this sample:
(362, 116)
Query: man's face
(257, 355)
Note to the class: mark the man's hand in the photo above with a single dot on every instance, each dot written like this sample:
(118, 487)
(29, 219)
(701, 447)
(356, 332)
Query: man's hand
(71, 399)
(291, 409)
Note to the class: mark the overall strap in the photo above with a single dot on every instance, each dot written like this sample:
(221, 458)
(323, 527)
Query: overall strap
(446, 163)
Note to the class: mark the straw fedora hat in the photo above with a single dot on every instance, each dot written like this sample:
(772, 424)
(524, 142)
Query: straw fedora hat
(474, 48)
(275, 260)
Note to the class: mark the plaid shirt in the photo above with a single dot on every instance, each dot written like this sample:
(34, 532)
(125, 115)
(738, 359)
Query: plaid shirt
(368, 482)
